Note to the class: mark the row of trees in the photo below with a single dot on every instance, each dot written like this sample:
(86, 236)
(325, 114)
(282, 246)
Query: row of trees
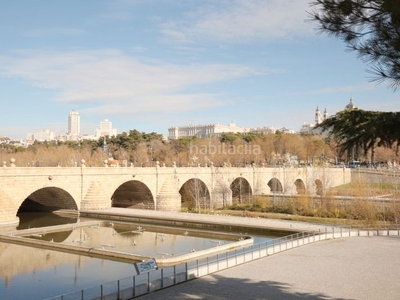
(230, 149)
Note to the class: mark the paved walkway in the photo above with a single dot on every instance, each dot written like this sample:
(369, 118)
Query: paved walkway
(346, 268)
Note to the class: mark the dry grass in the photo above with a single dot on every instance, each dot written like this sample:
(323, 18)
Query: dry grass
(362, 189)
(355, 208)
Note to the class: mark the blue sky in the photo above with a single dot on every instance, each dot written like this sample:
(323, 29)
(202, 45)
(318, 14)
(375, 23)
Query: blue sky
(152, 64)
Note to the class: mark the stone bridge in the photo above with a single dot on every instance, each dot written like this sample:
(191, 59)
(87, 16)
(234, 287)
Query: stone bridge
(155, 188)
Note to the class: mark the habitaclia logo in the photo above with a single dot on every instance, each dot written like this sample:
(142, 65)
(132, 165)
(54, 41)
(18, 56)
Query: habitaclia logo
(225, 149)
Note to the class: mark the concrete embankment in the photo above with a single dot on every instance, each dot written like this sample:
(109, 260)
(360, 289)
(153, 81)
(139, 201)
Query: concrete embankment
(200, 220)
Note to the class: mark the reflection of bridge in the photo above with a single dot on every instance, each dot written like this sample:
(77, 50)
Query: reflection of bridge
(158, 188)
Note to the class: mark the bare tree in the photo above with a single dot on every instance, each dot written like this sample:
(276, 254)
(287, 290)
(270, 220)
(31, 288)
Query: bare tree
(195, 195)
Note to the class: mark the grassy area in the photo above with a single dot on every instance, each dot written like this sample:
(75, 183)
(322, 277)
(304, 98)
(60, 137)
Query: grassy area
(365, 189)
(362, 205)
(290, 217)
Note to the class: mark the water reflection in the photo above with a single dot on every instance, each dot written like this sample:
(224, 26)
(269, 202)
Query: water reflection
(42, 219)
(27, 273)
(132, 238)
(30, 273)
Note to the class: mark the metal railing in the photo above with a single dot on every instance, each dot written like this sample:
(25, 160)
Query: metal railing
(141, 284)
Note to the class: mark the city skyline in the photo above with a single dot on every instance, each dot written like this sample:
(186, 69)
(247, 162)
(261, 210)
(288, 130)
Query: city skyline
(73, 132)
(150, 65)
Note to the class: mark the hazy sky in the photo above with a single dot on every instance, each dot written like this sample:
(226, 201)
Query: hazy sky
(152, 64)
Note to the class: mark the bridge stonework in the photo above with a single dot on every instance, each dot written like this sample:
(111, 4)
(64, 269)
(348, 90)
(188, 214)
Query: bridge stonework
(93, 188)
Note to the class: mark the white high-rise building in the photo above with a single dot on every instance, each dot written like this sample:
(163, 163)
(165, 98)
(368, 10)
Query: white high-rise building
(105, 129)
(74, 125)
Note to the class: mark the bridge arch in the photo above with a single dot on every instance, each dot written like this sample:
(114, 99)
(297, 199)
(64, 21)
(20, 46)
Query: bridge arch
(241, 191)
(48, 199)
(319, 188)
(300, 187)
(195, 195)
(133, 194)
(275, 185)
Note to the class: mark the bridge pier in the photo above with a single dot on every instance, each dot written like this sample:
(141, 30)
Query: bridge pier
(8, 219)
(95, 198)
(8, 211)
(168, 199)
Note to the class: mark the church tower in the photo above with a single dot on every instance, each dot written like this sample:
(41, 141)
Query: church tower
(318, 118)
(326, 115)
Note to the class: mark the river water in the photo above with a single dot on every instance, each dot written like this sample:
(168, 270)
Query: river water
(31, 273)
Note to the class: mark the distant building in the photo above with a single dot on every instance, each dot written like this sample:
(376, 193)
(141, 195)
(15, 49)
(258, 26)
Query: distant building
(264, 130)
(44, 135)
(311, 128)
(5, 140)
(105, 129)
(351, 104)
(74, 125)
(285, 130)
(210, 130)
(203, 131)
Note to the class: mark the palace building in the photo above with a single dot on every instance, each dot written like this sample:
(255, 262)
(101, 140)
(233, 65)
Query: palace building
(203, 131)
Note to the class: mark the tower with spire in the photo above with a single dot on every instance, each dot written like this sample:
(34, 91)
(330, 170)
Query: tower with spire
(318, 117)
(351, 104)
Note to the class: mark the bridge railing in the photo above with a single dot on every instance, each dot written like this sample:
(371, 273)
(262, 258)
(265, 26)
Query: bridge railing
(138, 285)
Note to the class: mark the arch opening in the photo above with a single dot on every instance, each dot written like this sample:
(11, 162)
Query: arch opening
(275, 185)
(133, 194)
(47, 206)
(241, 191)
(195, 195)
(319, 187)
(300, 187)
(48, 199)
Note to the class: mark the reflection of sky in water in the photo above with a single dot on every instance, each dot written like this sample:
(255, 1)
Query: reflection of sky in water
(29, 273)
(49, 273)
(76, 273)
(140, 240)
(146, 243)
